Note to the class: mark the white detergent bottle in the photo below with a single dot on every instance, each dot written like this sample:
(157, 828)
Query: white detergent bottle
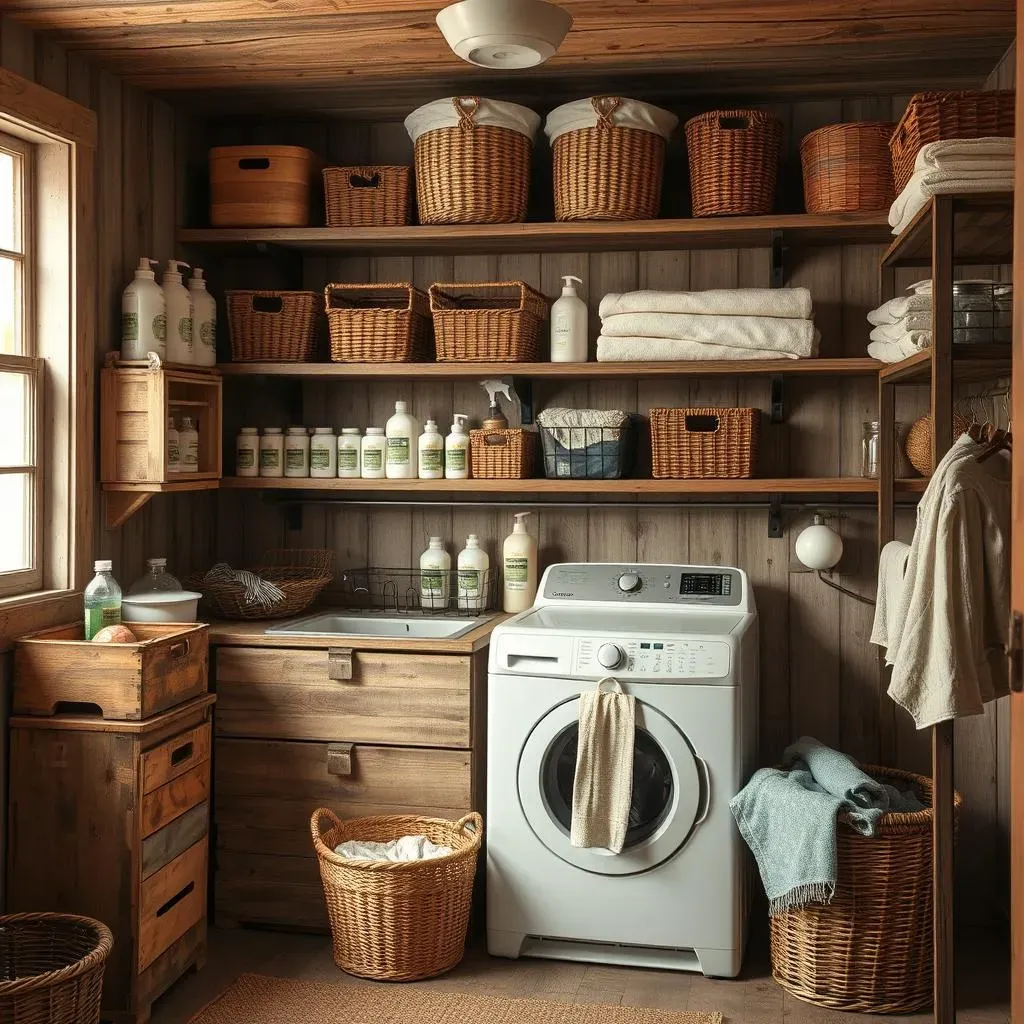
(179, 314)
(435, 568)
(204, 320)
(431, 453)
(473, 579)
(569, 325)
(402, 432)
(456, 449)
(143, 315)
(519, 567)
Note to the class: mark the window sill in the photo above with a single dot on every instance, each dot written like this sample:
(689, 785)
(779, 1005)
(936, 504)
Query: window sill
(27, 613)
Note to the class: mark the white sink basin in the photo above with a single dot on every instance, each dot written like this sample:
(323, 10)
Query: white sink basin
(377, 624)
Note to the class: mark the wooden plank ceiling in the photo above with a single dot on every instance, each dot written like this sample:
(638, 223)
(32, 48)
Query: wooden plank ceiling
(371, 54)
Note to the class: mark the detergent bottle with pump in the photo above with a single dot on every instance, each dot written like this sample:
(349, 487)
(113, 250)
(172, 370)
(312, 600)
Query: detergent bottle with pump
(569, 325)
(519, 567)
(179, 314)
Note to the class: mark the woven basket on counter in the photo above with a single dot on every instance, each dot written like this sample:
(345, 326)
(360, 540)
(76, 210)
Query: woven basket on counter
(847, 167)
(734, 161)
(918, 445)
(933, 116)
(270, 326)
(363, 197)
(693, 444)
(491, 322)
(398, 920)
(377, 323)
(870, 949)
(505, 454)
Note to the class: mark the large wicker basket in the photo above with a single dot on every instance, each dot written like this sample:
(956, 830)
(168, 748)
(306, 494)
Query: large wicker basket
(505, 454)
(377, 323)
(51, 968)
(847, 167)
(734, 161)
(497, 321)
(271, 326)
(398, 920)
(363, 197)
(870, 949)
(690, 444)
(931, 116)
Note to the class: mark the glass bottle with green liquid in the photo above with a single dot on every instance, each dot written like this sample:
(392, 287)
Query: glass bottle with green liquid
(102, 600)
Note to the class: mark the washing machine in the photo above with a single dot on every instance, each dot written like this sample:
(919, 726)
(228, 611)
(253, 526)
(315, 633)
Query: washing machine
(682, 639)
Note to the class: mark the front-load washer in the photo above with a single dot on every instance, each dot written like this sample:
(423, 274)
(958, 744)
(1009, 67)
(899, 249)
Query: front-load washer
(683, 641)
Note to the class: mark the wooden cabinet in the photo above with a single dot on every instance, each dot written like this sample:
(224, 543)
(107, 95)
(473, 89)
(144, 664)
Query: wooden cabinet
(110, 819)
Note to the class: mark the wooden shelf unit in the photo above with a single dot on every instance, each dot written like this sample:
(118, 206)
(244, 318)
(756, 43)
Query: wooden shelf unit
(969, 363)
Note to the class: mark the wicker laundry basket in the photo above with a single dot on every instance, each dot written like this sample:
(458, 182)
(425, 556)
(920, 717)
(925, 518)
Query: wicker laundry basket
(51, 968)
(504, 454)
(847, 167)
(870, 949)
(398, 921)
(487, 322)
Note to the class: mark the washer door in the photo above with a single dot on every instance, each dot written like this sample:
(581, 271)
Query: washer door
(665, 799)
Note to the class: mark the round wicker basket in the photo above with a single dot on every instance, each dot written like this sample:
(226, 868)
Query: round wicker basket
(847, 167)
(919, 441)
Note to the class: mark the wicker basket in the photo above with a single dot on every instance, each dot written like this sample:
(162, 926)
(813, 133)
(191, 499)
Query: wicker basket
(847, 167)
(501, 454)
(365, 197)
(499, 321)
(870, 949)
(608, 172)
(734, 161)
(931, 116)
(689, 444)
(267, 326)
(918, 445)
(473, 173)
(51, 968)
(377, 323)
(398, 920)
(301, 573)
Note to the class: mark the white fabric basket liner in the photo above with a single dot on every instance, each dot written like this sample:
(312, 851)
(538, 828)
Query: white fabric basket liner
(619, 112)
(454, 110)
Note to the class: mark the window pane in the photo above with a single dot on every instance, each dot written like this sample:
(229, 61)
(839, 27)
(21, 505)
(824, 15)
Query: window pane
(10, 307)
(16, 499)
(10, 201)
(15, 420)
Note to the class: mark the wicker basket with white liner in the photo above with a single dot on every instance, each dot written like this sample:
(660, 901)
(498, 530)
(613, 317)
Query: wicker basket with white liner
(586, 444)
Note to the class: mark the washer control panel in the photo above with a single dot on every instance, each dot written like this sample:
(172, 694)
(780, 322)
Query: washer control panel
(654, 658)
(666, 585)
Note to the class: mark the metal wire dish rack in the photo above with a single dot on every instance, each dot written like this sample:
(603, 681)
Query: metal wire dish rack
(457, 592)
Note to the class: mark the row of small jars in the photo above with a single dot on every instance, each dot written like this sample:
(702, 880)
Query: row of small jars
(300, 452)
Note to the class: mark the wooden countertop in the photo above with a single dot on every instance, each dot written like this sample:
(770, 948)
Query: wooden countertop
(251, 634)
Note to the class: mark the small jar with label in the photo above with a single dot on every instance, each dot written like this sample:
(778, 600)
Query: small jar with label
(349, 444)
(247, 452)
(272, 452)
(323, 452)
(373, 448)
(173, 447)
(296, 452)
(188, 443)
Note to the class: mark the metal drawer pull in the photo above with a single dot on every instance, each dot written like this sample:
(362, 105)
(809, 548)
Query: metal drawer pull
(339, 759)
(183, 753)
(339, 663)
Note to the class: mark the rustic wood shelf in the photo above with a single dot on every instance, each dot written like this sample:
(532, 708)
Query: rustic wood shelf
(123, 500)
(797, 229)
(970, 363)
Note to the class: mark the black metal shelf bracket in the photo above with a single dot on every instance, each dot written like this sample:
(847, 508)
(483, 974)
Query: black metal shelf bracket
(524, 390)
(775, 517)
(778, 277)
(777, 409)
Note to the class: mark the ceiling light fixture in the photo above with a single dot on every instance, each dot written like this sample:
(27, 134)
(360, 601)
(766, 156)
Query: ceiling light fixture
(505, 35)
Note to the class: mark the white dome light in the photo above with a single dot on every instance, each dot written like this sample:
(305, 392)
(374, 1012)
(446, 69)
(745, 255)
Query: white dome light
(819, 547)
(504, 35)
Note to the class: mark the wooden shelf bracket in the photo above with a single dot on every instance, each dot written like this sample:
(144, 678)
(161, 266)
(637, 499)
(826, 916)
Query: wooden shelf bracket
(122, 505)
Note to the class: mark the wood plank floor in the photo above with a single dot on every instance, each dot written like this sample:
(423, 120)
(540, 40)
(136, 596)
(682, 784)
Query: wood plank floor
(983, 975)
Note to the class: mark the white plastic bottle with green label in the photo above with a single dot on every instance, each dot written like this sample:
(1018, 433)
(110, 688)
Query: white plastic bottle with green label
(402, 432)
(519, 567)
(188, 445)
(247, 452)
(296, 452)
(179, 314)
(349, 461)
(204, 320)
(323, 452)
(272, 452)
(456, 450)
(473, 577)
(431, 453)
(143, 315)
(435, 570)
(102, 600)
(373, 452)
(173, 447)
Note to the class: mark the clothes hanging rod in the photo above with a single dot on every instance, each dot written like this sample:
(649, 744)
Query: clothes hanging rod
(614, 506)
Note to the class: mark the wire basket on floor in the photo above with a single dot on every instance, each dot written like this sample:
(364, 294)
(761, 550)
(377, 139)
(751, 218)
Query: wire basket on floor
(398, 920)
(51, 968)
(691, 444)
(377, 323)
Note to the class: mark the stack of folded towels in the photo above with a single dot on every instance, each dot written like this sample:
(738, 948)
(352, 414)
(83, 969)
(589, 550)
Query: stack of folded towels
(954, 165)
(902, 326)
(741, 323)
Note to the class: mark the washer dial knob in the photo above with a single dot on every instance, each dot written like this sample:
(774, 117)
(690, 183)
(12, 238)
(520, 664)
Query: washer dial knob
(629, 582)
(610, 655)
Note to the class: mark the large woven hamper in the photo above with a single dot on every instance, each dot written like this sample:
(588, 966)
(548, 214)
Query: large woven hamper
(711, 443)
(847, 167)
(398, 920)
(870, 949)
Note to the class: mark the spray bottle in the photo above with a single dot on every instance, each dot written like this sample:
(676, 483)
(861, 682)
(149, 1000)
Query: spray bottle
(496, 419)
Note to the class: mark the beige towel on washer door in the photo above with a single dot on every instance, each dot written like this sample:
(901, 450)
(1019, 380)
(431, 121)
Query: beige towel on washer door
(603, 786)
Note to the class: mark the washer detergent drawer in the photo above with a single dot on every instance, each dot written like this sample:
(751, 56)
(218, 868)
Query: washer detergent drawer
(532, 654)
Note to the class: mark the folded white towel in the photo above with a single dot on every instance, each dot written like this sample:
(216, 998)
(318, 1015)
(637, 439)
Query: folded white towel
(893, 351)
(895, 332)
(892, 564)
(792, 303)
(669, 350)
(764, 333)
(895, 310)
(990, 152)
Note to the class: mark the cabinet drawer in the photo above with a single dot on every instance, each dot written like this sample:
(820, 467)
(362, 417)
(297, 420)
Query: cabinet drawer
(175, 757)
(174, 798)
(337, 694)
(171, 901)
(174, 839)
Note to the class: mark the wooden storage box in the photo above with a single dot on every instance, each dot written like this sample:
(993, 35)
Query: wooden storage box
(262, 186)
(57, 669)
(134, 407)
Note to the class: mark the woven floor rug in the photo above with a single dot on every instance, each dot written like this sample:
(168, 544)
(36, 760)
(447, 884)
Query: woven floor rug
(254, 999)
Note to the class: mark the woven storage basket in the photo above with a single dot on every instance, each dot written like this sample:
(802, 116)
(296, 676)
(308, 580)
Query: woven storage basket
(918, 445)
(267, 326)
(609, 172)
(847, 167)
(499, 321)
(734, 161)
(398, 920)
(472, 173)
(377, 323)
(51, 968)
(931, 116)
(365, 197)
(870, 949)
(689, 444)
(501, 454)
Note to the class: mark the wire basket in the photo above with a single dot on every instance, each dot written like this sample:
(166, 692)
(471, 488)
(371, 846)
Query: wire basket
(455, 592)
(487, 322)
(363, 197)
(587, 453)
(377, 323)
(690, 444)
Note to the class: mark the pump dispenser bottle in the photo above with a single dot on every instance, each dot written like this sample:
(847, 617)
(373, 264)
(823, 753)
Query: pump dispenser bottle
(431, 453)
(204, 320)
(519, 567)
(456, 450)
(402, 432)
(143, 315)
(473, 576)
(569, 325)
(435, 569)
(179, 314)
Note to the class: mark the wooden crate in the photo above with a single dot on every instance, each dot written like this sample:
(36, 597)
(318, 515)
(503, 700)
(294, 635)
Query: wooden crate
(57, 669)
(134, 407)
(262, 186)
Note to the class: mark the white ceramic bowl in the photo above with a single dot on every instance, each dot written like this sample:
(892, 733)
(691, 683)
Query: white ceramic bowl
(169, 606)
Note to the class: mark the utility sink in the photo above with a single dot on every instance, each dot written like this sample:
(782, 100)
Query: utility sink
(414, 627)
